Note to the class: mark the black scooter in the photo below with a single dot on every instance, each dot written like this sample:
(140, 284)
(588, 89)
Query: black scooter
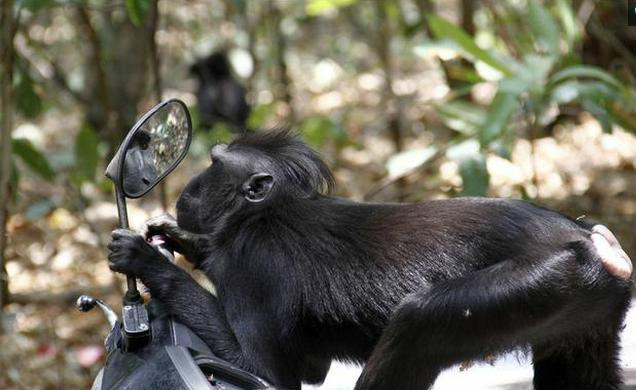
(147, 348)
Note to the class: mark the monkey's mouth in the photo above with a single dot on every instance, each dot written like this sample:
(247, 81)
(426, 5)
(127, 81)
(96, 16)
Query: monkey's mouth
(188, 215)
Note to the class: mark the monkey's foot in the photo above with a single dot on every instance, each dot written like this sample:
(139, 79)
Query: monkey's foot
(614, 258)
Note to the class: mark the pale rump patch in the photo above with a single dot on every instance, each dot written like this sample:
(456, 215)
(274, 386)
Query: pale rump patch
(614, 258)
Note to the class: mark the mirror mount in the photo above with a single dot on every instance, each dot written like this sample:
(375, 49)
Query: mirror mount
(133, 170)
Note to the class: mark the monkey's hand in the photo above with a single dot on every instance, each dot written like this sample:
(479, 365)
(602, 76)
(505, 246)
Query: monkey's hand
(130, 254)
(190, 245)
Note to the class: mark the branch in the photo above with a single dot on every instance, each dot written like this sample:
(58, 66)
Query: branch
(284, 90)
(58, 77)
(502, 28)
(391, 102)
(612, 41)
(250, 27)
(155, 68)
(155, 65)
(8, 30)
(98, 64)
(585, 12)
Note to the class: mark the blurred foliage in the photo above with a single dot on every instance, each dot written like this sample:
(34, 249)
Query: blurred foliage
(86, 155)
(321, 7)
(137, 10)
(33, 158)
(545, 74)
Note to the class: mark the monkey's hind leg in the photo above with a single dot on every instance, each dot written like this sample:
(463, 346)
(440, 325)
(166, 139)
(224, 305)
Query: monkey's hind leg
(510, 304)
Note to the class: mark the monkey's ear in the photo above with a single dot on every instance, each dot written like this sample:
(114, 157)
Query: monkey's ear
(257, 187)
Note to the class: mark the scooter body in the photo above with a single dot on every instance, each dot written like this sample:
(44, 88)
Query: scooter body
(175, 358)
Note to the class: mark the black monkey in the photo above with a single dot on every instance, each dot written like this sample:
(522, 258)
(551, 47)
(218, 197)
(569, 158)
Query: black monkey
(411, 289)
(220, 97)
(139, 165)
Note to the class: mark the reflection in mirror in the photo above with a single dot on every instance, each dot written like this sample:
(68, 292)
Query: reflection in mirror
(154, 149)
(139, 166)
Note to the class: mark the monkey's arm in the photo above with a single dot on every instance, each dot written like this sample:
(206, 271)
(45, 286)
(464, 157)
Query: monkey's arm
(254, 348)
(190, 303)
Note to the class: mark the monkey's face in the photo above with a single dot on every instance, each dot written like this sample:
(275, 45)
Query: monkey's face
(236, 180)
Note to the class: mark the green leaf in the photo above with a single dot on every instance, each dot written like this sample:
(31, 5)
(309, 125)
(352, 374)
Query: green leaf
(600, 113)
(137, 10)
(501, 109)
(596, 97)
(619, 117)
(475, 176)
(27, 100)
(502, 149)
(221, 133)
(568, 20)
(585, 71)
(321, 7)
(531, 76)
(35, 5)
(462, 116)
(401, 163)
(86, 154)
(574, 90)
(33, 158)
(318, 130)
(544, 28)
(40, 209)
(445, 29)
(472, 167)
(259, 116)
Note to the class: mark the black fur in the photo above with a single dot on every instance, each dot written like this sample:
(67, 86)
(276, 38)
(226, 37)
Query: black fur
(410, 289)
(220, 97)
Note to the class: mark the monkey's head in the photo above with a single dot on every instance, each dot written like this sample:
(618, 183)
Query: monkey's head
(255, 172)
(214, 67)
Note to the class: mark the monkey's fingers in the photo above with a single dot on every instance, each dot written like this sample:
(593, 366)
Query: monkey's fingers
(164, 224)
(613, 257)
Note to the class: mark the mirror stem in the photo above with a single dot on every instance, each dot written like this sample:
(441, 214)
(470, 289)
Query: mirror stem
(132, 294)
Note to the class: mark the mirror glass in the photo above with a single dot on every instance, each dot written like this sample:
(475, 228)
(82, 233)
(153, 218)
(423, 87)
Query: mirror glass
(155, 148)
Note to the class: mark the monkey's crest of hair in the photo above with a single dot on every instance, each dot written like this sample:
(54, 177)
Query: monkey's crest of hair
(292, 160)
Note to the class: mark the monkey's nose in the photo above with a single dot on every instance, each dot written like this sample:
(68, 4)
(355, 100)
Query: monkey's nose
(218, 150)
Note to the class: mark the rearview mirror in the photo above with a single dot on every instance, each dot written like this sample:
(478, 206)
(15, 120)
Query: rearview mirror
(153, 148)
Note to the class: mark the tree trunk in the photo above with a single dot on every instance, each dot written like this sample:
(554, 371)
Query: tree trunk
(117, 72)
(8, 29)
(392, 103)
(283, 89)
(157, 83)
